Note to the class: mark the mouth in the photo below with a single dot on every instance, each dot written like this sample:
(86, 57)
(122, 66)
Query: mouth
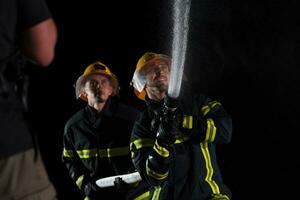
(161, 78)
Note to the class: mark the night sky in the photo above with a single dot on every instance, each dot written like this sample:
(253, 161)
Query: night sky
(243, 53)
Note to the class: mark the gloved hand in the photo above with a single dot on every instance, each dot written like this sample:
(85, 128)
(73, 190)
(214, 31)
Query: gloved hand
(121, 186)
(171, 121)
(90, 189)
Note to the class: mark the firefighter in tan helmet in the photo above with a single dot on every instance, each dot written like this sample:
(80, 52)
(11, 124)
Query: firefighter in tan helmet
(173, 147)
(96, 138)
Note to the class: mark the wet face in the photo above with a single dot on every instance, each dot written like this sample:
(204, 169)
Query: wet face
(157, 75)
(98, 88)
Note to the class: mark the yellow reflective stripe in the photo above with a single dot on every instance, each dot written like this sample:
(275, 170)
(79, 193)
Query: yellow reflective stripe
(87, 153)
(161, 150)
(153, 174)
(179, 141)
(213, 104)
(68, 153)
(213, 185)
(79, 181)
(182, 138)
(113, 152)
(187, 122)
(190, 122)
(142, 196)
(110, 152)
(220, 197)
(156, 193)
(140, 143)
(211, 130)
(205, 109)
(184, 121)
(87, 198)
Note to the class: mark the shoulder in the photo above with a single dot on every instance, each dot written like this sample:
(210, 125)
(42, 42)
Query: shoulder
(75, 119)
(33, 12)
(127, 112)
(194, 99)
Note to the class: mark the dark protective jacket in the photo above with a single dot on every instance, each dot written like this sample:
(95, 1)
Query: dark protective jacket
(96, 145)
(189, 169)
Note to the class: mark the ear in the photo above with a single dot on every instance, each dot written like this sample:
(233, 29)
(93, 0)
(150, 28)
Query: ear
(83, 94)
(111, 91)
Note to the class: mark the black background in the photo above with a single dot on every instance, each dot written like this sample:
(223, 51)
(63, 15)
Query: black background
(242, 53)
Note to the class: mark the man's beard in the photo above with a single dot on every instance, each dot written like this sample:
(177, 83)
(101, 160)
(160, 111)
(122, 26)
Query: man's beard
(161, 87)
(98, 99)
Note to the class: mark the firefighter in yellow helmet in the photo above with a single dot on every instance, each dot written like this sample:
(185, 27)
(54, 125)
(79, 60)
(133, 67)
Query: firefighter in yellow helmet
(94, 69)
(174, 140)
(96, 138)
(139, 77)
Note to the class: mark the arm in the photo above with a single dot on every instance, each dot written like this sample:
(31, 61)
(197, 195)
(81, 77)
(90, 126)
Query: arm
(212, 124)
(218, 123)
(75, 168)
(151, 158)
(38, 42)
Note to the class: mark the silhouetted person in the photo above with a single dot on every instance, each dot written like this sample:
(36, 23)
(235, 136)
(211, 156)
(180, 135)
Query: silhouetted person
(27, 32)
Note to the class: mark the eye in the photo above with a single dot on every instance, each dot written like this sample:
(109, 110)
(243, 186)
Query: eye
(104, 81)
(93, 83)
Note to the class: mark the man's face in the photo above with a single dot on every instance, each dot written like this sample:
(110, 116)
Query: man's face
(98, 88)
(157, 75)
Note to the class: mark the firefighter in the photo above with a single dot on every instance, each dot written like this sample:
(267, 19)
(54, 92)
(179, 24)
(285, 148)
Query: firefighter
(96, 139)
(173, 143)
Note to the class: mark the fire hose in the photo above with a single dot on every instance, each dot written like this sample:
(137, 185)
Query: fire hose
(109, 181)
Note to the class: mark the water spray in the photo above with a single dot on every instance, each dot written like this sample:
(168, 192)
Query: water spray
(181, 10)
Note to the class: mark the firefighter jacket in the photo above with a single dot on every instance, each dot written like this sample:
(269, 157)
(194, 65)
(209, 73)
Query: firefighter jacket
(188, 169)
(96, 145)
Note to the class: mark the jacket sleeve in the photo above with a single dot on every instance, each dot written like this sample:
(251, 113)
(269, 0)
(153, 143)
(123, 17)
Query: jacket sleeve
(216, 124)
(72, 162)
(151, 159)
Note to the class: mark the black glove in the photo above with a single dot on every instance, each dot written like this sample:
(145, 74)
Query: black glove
(121, 186)
(90, 189)
(171, 121)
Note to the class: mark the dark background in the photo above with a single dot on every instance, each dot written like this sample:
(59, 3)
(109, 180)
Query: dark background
(242, 53)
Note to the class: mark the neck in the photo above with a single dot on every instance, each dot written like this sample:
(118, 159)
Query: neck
(98, 106)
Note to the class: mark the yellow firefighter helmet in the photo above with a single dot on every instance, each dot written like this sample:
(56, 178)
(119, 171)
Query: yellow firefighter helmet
(95, 68)
(139, 76)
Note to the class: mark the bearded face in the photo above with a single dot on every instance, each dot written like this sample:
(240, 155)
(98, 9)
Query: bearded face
(157, 76)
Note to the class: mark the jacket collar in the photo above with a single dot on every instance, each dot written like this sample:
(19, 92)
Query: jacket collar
(154, 106)
(108, 111)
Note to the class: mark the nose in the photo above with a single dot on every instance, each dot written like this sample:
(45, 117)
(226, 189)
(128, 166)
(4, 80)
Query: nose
(94, 84)
(159, 69)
